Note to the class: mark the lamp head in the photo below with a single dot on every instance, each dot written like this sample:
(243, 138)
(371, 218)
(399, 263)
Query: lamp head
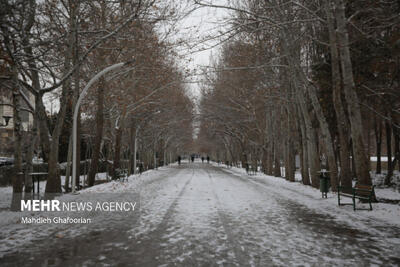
(7, 119)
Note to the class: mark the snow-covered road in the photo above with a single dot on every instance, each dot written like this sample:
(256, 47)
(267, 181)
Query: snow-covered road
(203, 215)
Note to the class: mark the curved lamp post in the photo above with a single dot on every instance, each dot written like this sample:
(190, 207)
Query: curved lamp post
(75, 123)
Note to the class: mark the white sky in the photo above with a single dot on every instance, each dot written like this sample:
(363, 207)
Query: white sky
(202, 24)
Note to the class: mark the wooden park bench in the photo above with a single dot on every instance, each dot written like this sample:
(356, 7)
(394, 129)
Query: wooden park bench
(121, 174)
(359, 191)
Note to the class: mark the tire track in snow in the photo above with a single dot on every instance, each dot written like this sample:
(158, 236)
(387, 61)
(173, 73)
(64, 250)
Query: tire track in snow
(239, 253)
(163, 226)
(150, 251)
(169, 212)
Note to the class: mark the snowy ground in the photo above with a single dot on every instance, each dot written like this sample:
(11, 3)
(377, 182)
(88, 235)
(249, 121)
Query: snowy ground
(5, 192)
(208, 215)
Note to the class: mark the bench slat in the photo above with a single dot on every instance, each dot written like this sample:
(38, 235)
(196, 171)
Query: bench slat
(346, 195)
(365, 187)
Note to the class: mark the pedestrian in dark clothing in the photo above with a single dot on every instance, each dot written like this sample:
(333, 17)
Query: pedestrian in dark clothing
(202, 159)
(208, 159)
(141, 167)
(179, 160)
(192, 158)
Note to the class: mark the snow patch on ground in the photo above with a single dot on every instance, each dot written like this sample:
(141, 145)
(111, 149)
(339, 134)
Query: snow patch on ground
(312, 198)
(13, 234)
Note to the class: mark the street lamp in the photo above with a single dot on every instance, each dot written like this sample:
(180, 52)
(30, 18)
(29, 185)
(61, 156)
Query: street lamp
(7, 120)
(76, 111)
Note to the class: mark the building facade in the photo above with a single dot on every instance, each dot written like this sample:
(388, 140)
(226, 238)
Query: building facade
(7, 132)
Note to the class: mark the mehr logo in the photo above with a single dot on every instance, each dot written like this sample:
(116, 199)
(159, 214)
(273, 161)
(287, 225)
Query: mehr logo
(40, 205)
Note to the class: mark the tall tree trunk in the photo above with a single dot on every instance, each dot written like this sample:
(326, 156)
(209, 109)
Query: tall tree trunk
(389, 153)
(135, 149)
(277, 160)
(44, 133)
(131, 149)
(396, 135)
(290, 166)
(69, 161)
(270, 142)
(18, 178)
(264, 160)
(353, 106)
(342, 124)
(165, 156)
(109, 158)
(243, 153)
(117, 155)
(368, 133)
(312, 147)
(326, 137)
(313, 157)
(277, 148)
(74, 43)
(78, 150)
(53, 184)
(299, 82)
(303, 163)
(118, 138)
(270, 158)
(99, 134)
(243, 159)
(378, 140)
(29, 156)
(288, 113)
(40, 111)
(304, 148)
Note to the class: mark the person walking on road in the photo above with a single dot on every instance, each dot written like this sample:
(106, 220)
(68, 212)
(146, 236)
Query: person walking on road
(208, 159)
(141, 168)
